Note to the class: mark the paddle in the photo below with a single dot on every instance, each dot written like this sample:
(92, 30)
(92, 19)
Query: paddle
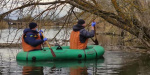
(96, 41)
(49, 46)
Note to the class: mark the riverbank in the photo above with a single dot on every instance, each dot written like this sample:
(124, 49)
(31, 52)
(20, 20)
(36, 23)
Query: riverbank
(107, 48)
(10, 45)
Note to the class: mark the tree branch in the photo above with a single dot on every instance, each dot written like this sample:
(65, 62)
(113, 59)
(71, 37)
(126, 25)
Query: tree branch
(30, 4)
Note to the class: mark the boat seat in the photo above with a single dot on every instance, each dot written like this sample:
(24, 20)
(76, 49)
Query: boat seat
(59, 47)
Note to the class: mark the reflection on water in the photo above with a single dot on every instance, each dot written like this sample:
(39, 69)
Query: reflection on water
(78, 71)
(75, 67)
(32, 70)
(114, 62)
(72, 67)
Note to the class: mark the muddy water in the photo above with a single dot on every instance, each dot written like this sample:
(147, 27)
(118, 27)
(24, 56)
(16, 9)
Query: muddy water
(114, 62)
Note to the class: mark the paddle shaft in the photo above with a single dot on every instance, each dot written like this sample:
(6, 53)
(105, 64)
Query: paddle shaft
(96, 41)
(95, 31)
(49, 46)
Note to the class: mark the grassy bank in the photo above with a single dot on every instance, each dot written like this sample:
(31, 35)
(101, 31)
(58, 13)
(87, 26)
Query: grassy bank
(10, 45)
(3, 25)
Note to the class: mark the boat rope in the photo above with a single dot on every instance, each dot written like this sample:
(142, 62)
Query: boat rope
(84, 53)
(27, 56)
(95, 52)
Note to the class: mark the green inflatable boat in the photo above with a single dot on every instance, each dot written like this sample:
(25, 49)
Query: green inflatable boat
(62, 53)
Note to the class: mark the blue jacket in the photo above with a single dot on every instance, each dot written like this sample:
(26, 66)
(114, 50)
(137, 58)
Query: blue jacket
(30, 39)
(84, 34)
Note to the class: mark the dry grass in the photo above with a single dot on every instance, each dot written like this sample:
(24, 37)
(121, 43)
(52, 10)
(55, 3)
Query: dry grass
(3, 25)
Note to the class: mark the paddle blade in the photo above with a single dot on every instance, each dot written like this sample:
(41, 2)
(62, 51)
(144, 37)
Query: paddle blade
(53, 53)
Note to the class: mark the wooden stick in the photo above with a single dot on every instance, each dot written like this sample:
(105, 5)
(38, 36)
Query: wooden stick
(49, 46)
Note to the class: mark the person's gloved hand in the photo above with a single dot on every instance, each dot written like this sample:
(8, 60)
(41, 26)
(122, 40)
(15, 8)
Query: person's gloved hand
(93, 24)
(45, 39)
(40, 32)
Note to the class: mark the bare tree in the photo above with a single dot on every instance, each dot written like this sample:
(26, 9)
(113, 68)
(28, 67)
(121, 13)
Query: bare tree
(130, 15)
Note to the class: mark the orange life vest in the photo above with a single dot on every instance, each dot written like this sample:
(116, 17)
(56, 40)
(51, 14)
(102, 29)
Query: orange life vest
(26, 47)
(75, 41)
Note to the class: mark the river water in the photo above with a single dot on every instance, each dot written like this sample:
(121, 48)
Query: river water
(117, 60)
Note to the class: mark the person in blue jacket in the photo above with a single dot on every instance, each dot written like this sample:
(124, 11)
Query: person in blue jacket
(32, 39)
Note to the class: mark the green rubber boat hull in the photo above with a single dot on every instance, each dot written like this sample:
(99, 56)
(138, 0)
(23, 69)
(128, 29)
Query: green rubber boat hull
(92, 52)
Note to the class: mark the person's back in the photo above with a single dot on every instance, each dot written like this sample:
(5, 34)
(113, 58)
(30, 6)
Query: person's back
(31, 40)
(79, 36)
(75, 41)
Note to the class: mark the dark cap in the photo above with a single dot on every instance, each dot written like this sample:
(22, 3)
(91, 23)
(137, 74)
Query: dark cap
(32, 25)
(81, 21)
